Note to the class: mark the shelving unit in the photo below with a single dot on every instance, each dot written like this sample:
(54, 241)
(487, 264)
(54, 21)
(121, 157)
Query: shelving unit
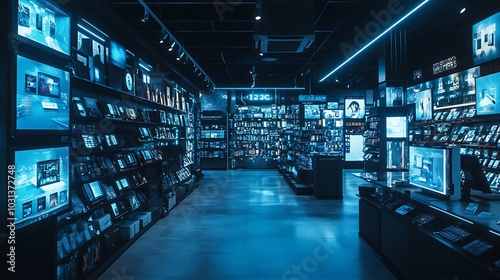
(115, 142)
(135, 165)
(372, 144)
(213, 140)
(287, 138)
(475, 135)
(255, 137)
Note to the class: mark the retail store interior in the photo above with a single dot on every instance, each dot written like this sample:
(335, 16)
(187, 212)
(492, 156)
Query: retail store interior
(250, 139)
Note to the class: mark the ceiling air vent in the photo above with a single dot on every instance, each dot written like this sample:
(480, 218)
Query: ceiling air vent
(287, 26)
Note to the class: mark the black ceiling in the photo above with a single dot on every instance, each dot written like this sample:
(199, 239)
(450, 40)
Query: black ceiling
(219, 36)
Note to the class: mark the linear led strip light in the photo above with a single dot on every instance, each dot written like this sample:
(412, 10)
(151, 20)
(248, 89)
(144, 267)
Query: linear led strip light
(374, 40)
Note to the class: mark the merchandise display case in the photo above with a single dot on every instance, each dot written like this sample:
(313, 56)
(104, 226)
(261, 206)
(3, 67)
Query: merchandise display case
(255, 137)
(422, 237)
(213, 140)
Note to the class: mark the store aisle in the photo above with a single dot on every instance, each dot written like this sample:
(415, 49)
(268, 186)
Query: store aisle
(249, 225)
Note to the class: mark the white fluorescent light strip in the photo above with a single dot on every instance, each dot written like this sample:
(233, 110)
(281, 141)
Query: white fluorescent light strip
(91, 33)
(144, 67)
(373, 41)
(467, 221)
(90, 24)
(130, 52)
(494, 232)
(455, 106)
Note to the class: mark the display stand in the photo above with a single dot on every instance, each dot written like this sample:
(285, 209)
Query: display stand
(328, 177)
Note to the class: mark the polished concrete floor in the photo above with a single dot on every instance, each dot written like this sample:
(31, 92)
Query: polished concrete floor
(249, 225)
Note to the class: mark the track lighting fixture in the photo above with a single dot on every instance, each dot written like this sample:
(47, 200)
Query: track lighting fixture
(163, 37)
(167, 38)
(146, 16)
(258, 15)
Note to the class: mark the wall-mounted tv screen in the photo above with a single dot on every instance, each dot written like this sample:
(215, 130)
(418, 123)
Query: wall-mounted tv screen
(394, 96)
(312, 111)
(487, 88)
(354, 108)
(354, 148)
(333, 114)
(396, 127)
(117, 55)
(44, 23)
(484, 40)
(455, 89)
(42, 183)
(423, 105)
(42, 96)
(430, 169)
(411, 92)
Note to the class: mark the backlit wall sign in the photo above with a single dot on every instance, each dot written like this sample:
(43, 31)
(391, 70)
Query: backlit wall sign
(484, 40)
(444, 65)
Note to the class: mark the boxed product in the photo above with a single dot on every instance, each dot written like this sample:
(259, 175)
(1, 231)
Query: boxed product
(144, 218)
(128, 229)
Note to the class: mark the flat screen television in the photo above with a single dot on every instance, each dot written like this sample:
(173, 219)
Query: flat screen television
(394, 96)
(433, 169)
(42, 97)
(44, 23)
(412, 91)
(42, 183)
(423, 105)
(312, 112)
(485, 40)
(455, 89)
(354, 108)
(117, 55)
(487, 88)
(396, 127)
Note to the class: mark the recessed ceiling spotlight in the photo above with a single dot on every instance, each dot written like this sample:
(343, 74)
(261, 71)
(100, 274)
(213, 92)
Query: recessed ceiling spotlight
(258, 17)
(463, 10)
(261, 54)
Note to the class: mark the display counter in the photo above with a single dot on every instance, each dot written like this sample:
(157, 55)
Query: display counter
(422, 237)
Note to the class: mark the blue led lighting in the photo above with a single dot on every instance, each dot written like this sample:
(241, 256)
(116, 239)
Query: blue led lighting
(373, 41)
